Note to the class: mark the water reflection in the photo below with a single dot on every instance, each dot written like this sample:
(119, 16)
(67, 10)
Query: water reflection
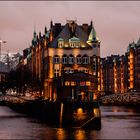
(60, 134)
(117, 123)
(80, 134)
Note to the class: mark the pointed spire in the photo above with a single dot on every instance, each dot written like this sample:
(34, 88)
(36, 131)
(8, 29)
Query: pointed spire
(51, 36)
(51, 24)
(91, 24)
(92, 35)
(39, 34)
(34, 31)
(138, 42)
(45, 29)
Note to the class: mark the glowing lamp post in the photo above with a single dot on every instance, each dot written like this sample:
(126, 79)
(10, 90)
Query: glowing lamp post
(1, 41)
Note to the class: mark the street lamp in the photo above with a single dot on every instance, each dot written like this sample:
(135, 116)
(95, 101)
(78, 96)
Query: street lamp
(1, 41)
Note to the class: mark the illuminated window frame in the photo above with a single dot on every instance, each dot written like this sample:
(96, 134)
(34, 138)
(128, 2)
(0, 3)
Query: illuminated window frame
(79, 59)
(56, 59)
(85, 59)
(67, 83)
(71, 59)
(64, 59)
(56, 72)
(88, 83)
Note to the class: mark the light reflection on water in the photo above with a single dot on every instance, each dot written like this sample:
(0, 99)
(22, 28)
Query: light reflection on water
(117, 123)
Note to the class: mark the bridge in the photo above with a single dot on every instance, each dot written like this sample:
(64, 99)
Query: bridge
(132, 98)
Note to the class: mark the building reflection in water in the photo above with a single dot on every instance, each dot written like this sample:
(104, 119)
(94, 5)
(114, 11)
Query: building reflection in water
(80, 134)
(60, 134)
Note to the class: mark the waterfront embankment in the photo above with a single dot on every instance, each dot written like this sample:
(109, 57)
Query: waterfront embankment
(121, 99)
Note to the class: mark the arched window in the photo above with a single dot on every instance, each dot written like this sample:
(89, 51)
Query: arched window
(79, 59)
(64, 59)
(56, 59)
(85, 59)
(71, 59)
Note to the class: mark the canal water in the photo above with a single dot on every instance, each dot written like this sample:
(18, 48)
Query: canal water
(117, 123)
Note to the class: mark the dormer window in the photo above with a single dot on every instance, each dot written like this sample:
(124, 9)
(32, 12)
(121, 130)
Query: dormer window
(74, 42)
(60, 42)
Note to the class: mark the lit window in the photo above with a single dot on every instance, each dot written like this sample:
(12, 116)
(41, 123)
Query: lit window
(67, 83)
(71, 59)
(64, 59)
(85, 59)
(71, 70)
(56, 59)
(82, 84)
(56, 72)
(60, 42)
(73, 83)
(88, 83)
(79, 59)
(86, 71)
(94, 60)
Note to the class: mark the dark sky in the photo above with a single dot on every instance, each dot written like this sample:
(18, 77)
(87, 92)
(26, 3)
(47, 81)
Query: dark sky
(116, 23)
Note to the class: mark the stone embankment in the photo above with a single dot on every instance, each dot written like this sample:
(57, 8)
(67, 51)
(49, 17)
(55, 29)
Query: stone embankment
(121, 99)
(15, 99)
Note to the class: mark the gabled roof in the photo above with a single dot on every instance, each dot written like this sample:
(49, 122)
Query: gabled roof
(74, 39)
(60, 39)
(65, 34)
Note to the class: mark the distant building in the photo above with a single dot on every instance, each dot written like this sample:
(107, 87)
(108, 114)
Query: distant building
(65, 50)
(3, 71)
(120, 74)
(114, 73)
(133, 52)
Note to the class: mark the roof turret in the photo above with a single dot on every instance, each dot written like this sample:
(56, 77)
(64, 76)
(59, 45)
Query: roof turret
(138, 42)
(92, 35)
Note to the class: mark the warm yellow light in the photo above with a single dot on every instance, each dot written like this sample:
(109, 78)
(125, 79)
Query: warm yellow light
(51, 68)
(72, 83)
(88, 83)
(79, 111)
(80, 134)
(60, 133)
(97, 112)
(66, 45)
(67, 83)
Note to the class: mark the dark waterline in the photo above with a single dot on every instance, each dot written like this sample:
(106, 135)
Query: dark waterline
(117, 123)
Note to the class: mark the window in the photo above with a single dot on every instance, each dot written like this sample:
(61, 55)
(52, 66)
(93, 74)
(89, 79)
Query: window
(64, 59)
(82, 83)
(56, 59)
(88, 83)
(74, 42)
(71, 59)
(94, 60)
(85, 59)
(71, 70)
(60, 42)
(56, 72)
(79, 59)
(73, 83)
(67, 83)
(86, 71)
